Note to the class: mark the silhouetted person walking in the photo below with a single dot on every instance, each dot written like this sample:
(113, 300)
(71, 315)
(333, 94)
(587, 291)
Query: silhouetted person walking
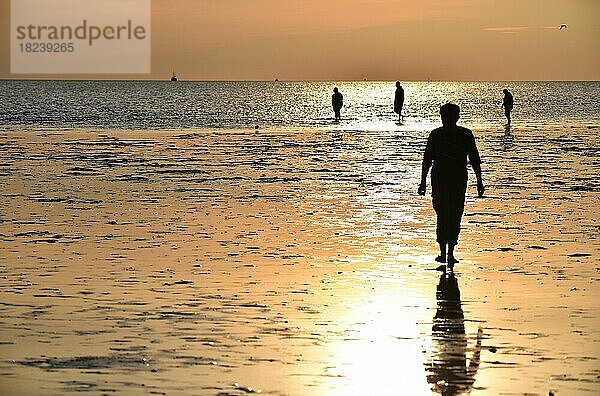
(337, 101)
(507, 103)
(399, 100)
(447, 150)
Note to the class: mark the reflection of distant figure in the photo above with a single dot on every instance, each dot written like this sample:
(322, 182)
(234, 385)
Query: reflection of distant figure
(337, 101)
(447, 368)
(508, 139)
(399, 100)
(447, 150)
(507, 103)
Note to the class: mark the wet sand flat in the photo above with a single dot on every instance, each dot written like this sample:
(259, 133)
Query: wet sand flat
(294, 262)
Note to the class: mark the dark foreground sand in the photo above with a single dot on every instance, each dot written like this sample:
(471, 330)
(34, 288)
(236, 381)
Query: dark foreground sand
(294, 263)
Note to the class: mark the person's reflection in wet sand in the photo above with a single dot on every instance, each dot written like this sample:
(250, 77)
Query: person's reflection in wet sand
(508, 139)
(447, 369)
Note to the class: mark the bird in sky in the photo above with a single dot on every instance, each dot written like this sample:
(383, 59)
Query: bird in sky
(562, 26)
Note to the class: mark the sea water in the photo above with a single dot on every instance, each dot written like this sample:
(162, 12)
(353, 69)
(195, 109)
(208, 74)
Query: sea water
(149, 105)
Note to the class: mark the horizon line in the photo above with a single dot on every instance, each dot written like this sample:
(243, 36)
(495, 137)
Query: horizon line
(279, 80)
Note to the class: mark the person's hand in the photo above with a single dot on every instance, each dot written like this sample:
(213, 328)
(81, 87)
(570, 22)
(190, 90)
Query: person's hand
(480, 189)
(422, 189)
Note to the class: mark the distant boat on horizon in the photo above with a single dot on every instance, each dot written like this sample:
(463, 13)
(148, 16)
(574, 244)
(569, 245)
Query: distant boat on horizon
(174, 76)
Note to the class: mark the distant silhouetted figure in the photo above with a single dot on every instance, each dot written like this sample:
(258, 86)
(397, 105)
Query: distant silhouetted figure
(447, 369)
(507, 103)
(399, 100)
(447, 150)
(337, 101)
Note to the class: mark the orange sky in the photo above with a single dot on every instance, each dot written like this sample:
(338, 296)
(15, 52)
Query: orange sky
(372, 39)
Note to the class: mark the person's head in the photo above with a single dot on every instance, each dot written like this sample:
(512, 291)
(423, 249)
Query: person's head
(397, 84)
(505, 91)
(450, 114)
(335, 90)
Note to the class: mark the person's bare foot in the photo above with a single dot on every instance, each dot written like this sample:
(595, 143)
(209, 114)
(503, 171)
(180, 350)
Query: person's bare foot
(452, 260)
(440, 259)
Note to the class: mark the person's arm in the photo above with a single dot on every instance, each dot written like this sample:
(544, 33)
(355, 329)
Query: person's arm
(476, 164)
(424, 171)
(427, 161)
(480, 187)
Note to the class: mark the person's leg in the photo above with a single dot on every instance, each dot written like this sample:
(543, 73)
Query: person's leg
(440, 205)
(442, 257)
(441, 231)
(451, 259)
(453, 231)
(456, 209)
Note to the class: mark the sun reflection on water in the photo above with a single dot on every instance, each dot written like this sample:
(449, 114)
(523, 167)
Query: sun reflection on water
(404, 334)
(383, 352)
